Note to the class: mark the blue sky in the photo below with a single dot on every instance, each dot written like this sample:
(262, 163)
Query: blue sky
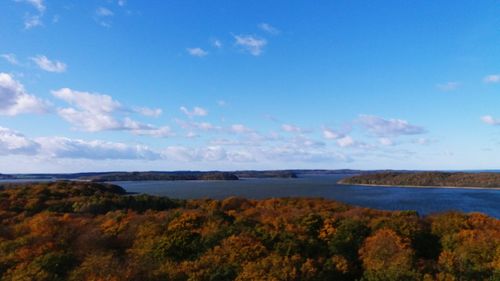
(167, 85)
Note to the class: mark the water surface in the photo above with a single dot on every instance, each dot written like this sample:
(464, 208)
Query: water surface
(423, 200)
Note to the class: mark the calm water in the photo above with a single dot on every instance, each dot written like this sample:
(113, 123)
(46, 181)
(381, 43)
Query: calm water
(425, 201)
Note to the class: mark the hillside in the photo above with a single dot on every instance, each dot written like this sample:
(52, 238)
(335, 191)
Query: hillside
(427, 179)
(90, 231)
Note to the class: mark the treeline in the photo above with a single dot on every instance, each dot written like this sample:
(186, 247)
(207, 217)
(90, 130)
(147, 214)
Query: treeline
(158, 175)
(169, 176)
(427, 179)
(266, 174)
(90, 231)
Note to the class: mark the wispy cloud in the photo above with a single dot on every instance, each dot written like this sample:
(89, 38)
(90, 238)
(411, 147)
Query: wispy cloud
(493, 78)
(386, 141)
(37, 4)
(331, 134)
(217, 43)
(103, 16)
(448, 86)
(104, 12)
(31, 21)
(269, 28)
(388, 127)
(490, 120)
(346, 141)
(48, 65)
(196, 111)
(61, 147)
(201, 126)
(251, 44)
(197, 52)
(292, 129)
(14, 99)
(151, 112)
(10, 58)
(240, 129)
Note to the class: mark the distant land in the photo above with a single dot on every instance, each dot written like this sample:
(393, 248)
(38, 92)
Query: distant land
(427, 179)
(176, 175)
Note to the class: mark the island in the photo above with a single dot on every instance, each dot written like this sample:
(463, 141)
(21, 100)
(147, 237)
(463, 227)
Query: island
(68, 230)
(266, 174)
(427, 179)
(159, 176)
(6, 177)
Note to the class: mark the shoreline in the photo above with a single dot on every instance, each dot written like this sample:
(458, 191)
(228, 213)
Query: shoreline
(422, 186)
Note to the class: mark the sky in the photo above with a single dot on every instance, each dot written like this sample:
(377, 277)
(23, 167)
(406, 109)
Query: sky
(130, 85)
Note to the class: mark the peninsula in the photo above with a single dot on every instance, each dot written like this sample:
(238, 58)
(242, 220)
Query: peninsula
(427, 179)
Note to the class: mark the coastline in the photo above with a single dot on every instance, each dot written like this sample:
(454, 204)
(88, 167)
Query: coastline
(422, 186)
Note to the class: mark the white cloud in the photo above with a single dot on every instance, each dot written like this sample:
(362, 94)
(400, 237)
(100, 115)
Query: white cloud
(331, 134)
(448, 86)
(298, 154)
(15, 100)
(197, 52)
(346, 141)
(89, 121)
(188, 154)
(388, 127)
(103, 16)
(488, 119)
(221, 103)
(104, 12)
(494, 78)
(203, 126)
(151, 112)
(386, 141)
(12, 142)
(94, 112)
(240, 129)
(251, 44)
(48, 65)
(161, 132)
(61, 147)
(213, 153)
(292, 128)
(269, 28)
(37, 4)
(196, 111)
(217, 43)
(92, 102)
(423, 141)
(31, 21)
(122, 3)
(10, 58)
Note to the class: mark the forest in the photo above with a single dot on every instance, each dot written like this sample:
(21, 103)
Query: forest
(92, 231)
(458, 179)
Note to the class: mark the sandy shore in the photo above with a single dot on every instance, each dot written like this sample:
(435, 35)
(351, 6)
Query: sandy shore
(423, 186)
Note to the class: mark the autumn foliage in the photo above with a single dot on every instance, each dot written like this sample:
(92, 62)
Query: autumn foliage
(89, 231)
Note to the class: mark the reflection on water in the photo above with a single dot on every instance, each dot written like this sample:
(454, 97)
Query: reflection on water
(425, 201)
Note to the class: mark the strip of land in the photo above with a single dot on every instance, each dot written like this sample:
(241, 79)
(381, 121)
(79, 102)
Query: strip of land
(428, 180)
(173, 175)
